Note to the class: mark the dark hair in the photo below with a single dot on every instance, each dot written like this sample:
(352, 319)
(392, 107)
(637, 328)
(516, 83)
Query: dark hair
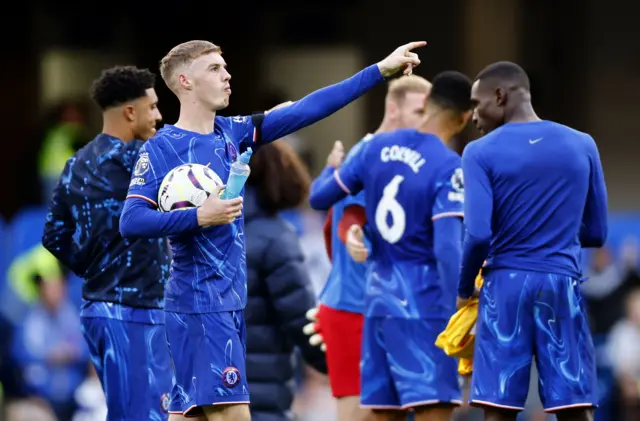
(451, 90)
(281, 179)
(505, 71)
(120, 84)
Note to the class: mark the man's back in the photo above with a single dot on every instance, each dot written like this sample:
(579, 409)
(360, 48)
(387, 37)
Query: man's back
(86, 206)
(541, 186)
(539, 174)
(407, 181)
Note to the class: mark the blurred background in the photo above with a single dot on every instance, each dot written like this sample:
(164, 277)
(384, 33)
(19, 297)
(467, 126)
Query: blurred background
(584, 69)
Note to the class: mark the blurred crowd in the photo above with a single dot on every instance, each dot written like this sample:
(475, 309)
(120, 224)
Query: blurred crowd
(46, 372)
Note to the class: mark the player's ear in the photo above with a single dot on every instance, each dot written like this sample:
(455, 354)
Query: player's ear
(184, 81)
(501, 96)
(392, 109)
(465, 118)
(129, 112)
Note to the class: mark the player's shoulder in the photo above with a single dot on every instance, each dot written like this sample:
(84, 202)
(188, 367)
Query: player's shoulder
(566, 130)
(227, 124)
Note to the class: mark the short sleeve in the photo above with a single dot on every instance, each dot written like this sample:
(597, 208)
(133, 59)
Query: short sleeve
(148, 173)
(449, 193)
(350, 174)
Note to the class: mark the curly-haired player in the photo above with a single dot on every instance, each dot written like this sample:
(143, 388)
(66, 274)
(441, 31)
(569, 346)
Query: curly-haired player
(122, 318)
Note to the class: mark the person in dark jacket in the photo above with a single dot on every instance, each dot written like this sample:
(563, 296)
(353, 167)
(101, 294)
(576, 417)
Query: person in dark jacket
(279, 288)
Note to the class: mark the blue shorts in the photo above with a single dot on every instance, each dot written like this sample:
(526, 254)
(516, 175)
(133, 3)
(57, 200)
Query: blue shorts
(526, 315)
(401, 366)
(132, 361)
(208, 353)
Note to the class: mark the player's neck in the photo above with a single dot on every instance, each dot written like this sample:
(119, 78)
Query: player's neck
(435, 126)
(522, 113)
(195, 118)
(116, 129)
(385, 126)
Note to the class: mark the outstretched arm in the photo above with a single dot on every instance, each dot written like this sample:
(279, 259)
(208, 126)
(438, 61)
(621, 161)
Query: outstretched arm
(322, 103)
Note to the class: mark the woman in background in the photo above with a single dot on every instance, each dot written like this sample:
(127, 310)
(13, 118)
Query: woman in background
(279, 289)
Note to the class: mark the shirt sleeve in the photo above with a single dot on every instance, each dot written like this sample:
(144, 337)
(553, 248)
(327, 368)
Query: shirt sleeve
(449, 194)
(593, 232)
(147, 175)
(60, 225)
(478, 216)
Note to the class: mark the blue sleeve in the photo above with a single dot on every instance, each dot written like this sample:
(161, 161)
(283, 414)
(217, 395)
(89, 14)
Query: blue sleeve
(332, 185)
(447, 246)
(593, 232)
(60, 225)
(148, 173)
(449, 194)
(317, 105)
(140, 219)
(478, 210)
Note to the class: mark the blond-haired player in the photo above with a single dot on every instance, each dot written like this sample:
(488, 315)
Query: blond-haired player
(206, 293)
(340, 314)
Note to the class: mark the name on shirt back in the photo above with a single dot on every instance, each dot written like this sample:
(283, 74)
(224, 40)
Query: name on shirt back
(402, 154)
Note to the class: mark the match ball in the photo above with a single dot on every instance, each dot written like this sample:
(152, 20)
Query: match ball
(187, 186)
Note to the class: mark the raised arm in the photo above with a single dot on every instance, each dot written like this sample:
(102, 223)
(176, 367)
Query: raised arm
(593, 232)
(322, 103)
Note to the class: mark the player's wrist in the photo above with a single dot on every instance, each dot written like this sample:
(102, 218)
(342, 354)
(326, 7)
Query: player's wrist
(203, 221)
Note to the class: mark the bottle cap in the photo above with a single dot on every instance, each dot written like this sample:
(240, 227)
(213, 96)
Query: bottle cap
(246, 156)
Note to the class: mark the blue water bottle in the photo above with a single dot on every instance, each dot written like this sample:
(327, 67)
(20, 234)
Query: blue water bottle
(237, 176)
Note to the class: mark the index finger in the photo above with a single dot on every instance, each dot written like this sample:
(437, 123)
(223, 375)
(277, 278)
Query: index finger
(415, 44)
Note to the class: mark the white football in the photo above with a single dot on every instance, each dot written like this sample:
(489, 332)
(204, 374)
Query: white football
(187, 186)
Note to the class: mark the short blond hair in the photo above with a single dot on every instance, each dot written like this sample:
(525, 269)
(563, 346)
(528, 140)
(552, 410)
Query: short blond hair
(400, 87)
(183, 54)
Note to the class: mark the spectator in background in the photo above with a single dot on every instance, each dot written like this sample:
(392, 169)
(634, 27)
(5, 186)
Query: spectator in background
(61, 139)
(609, 282)
(49, 349)
(279, 290)
(624, 354)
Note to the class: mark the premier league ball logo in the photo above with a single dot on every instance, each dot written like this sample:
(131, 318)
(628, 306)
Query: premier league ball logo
(230, 377)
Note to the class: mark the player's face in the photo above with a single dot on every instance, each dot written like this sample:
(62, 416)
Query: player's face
(411, 110)
(488, 113)
(211, 81)
(146, 115)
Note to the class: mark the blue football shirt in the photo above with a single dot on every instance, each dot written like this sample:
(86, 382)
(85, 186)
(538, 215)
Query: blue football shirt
(208, 269)
(409, 179)
(535, 192)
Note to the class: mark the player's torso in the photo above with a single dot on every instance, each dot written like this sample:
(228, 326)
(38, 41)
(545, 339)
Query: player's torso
(114, 269)
(400, 190)
(345, 286)
(212, 254)
(540, 183)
